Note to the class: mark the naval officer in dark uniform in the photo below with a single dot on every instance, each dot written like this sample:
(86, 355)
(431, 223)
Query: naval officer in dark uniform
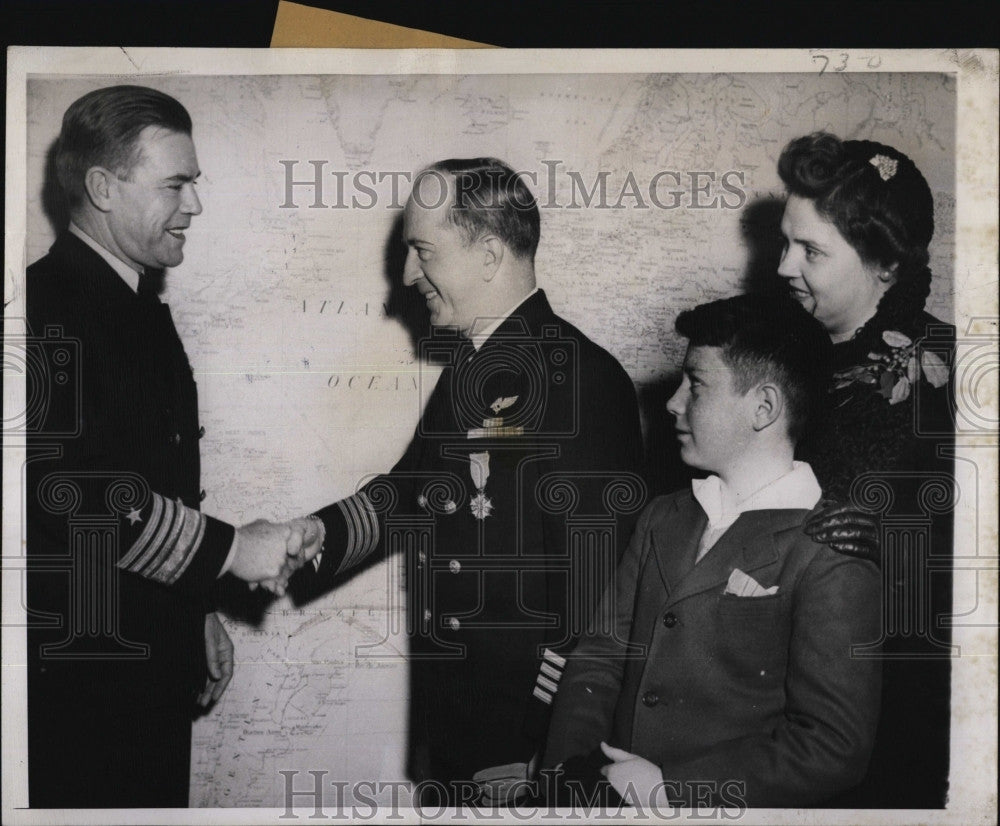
(514, 498)
(122, 638)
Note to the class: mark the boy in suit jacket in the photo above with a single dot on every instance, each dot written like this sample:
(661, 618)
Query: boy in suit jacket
(718, 669)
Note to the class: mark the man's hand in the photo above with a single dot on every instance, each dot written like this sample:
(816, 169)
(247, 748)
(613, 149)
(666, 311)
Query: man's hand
(847, 530)
(313, 533)
(268, 551)
(629, 770)
(219, 654)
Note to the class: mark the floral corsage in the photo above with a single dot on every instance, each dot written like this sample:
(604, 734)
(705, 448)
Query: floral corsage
(896, 371)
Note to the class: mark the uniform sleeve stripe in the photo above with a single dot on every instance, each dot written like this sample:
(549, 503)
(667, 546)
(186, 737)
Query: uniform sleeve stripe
(362, 529)
(542, 695)
(169, 542)
(547, 684)
(167, 527)
(554, 658)
(156, 508)
(549, 671)
(162, 557)
(192, 530)
(351, 520)
(164, 523)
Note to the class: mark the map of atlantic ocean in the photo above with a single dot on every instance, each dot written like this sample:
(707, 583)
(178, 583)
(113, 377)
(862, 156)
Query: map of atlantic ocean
(657, 192)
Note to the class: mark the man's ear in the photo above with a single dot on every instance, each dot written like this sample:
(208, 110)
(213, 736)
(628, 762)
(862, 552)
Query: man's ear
(493, 252)
(98, 183)
(769, 402)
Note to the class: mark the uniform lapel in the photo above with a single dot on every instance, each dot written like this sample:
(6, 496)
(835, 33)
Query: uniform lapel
(441, 418)
(90, 276)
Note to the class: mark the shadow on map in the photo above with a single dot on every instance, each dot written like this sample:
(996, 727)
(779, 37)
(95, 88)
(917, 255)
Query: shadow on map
(760, 228)
(404, 304)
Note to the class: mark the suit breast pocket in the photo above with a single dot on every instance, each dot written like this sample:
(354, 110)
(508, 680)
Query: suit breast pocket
(753, 635)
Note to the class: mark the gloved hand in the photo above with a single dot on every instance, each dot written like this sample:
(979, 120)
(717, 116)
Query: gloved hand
(848, 530)
(578, 781)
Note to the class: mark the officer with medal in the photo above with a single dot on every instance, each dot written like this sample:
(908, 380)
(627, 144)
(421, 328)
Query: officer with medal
(514, 498)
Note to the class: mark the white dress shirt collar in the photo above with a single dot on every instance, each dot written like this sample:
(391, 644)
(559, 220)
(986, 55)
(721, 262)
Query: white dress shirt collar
(796, 489)
(480, 335)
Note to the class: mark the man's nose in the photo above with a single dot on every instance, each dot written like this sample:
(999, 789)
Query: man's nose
(411, 269)
(192, 203)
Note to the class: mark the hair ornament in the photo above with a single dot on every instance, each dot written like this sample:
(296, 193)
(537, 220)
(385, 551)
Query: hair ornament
(885, 165)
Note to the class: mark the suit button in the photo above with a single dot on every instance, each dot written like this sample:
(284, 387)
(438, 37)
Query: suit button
(670, 619)
(650, 699)
(202, 495)
(175, 439)
(454, 624)
(454, 566)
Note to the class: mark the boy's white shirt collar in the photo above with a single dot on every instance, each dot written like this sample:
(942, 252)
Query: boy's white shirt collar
(479, 337)
(128, 275)
(796, 489)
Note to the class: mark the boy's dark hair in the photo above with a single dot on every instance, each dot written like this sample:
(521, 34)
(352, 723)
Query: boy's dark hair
(767, 337)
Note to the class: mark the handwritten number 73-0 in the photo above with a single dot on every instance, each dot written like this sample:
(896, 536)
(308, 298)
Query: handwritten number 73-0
(873, 62)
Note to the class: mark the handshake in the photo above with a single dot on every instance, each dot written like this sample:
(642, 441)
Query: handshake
(266, 553)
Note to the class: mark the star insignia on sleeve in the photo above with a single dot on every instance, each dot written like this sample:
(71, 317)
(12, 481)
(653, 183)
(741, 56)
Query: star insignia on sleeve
(133, 516)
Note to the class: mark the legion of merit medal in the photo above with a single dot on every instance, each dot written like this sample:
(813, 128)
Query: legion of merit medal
(479, 468)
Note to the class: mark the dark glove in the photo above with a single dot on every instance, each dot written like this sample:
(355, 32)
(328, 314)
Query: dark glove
(578, 782)
(847, 530)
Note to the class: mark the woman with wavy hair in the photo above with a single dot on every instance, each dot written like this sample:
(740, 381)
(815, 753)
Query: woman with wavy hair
(857, 224)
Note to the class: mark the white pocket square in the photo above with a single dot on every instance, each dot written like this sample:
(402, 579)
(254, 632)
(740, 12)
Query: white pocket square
(743, 585)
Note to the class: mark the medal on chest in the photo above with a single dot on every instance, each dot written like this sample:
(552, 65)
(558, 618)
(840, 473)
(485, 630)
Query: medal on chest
(479, 469)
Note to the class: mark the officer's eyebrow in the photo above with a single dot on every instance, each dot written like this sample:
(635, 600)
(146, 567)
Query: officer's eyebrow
(181, 178)
(410, 240)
